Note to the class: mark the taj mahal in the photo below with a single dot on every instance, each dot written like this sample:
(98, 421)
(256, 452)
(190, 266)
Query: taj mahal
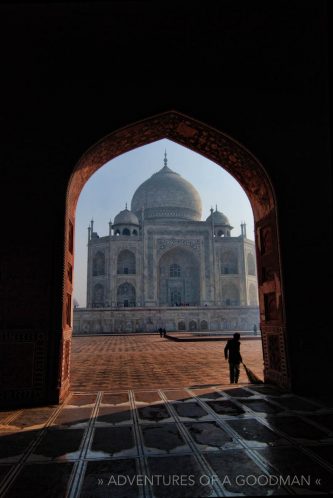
(161, 265)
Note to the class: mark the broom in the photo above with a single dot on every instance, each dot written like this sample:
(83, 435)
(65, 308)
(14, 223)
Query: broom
(253, 379)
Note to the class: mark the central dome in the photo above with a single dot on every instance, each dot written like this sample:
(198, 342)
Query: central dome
(167, 195)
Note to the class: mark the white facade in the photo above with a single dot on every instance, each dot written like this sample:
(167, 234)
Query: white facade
(159, 256)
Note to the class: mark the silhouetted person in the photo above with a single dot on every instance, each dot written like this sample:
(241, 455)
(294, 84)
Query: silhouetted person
(160, 331)
(164, 332)
(232, 354)
(255, 329)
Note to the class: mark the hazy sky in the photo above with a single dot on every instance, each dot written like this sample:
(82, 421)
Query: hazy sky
(108, 190)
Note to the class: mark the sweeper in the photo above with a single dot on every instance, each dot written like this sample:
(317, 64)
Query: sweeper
(232, 354)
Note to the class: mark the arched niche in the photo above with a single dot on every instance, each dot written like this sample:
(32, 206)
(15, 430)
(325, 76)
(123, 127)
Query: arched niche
(251, 265)
(229, 262)
(99, 264)
(126, 262)
(230, 295)
(126, 295)
(98, 296)
(178, 278)
(253, 295)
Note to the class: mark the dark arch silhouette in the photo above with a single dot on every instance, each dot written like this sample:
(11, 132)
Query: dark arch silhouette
(251, 175)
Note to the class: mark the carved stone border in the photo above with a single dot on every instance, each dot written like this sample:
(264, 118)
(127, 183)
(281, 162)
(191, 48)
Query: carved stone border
(164, 245)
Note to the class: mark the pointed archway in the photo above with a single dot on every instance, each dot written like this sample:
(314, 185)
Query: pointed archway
(251, 175)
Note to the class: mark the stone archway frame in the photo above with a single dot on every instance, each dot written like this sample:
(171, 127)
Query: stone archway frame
(246, 169)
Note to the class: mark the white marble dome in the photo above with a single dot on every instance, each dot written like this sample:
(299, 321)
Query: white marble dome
(168, 195)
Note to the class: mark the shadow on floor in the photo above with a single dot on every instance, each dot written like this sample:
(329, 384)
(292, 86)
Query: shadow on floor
(255, 440)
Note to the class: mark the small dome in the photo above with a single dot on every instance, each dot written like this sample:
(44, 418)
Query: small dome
(218, 218)
(126, 217)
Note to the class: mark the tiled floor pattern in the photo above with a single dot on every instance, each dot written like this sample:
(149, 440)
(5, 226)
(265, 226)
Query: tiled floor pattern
(208, 441)
(141, 361)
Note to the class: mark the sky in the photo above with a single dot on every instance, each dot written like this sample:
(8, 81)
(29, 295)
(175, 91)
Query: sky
(113, 185)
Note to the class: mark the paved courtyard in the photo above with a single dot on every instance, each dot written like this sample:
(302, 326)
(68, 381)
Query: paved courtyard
(148, 361)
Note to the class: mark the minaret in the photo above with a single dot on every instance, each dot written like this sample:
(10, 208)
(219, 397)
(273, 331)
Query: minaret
(213, 298)
(110, 227)
(89, 264)
(143, 261)
(212, 220)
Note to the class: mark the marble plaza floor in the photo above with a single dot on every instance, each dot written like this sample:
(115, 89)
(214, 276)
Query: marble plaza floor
(187, 436)
(128, 362)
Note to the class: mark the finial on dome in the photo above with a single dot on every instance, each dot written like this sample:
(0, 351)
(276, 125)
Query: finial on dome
(126, 205)
(216, 207)
(165, 159)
